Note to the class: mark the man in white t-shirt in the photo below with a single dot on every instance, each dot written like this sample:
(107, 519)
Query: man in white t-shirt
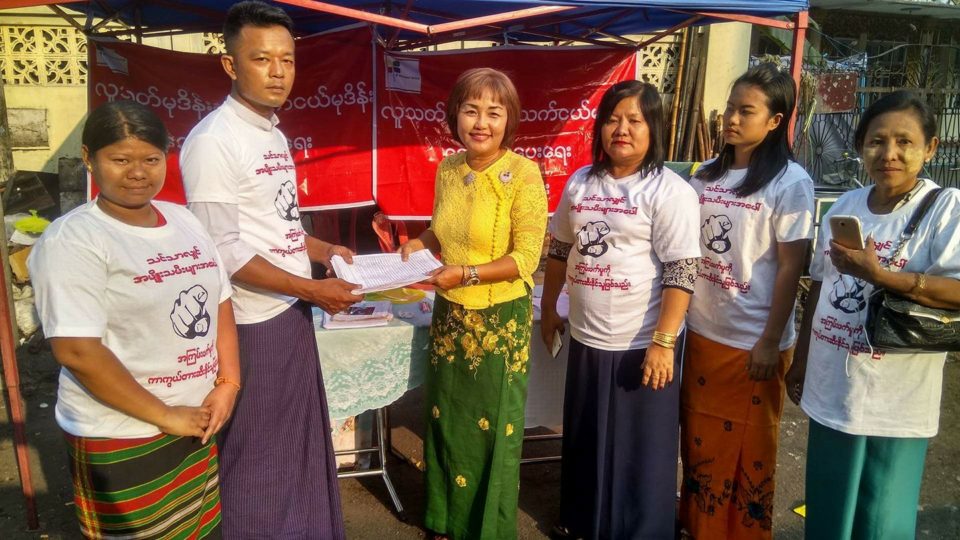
(240, 181)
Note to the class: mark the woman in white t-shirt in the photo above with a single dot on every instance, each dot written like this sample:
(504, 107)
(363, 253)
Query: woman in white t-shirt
(872, 412)
(756, 221)
(136, 305)
(625, 241)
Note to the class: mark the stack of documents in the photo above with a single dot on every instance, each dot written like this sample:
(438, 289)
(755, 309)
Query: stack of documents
(385, 271)
(360, 315)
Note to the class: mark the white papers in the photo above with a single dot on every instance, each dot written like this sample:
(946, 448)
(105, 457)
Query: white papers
(360, 315)
(384, 271)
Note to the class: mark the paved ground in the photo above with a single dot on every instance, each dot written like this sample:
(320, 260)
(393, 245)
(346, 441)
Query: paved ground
(367, 504)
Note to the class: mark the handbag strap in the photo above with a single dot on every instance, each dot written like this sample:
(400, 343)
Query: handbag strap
(921, 211)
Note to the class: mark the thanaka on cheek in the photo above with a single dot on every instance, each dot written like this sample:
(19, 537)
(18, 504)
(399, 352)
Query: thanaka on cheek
(913, 158)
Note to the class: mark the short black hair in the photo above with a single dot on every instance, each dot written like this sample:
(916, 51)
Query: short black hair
(115, 121)
(901, 100)
(252, 13)
(652, 108)
(771, 157)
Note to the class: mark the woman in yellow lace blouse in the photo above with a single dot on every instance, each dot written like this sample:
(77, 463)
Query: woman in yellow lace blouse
(489, 219)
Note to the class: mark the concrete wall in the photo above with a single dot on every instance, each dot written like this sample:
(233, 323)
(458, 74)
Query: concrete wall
(728, 53)
(66, 107)
(65, 104)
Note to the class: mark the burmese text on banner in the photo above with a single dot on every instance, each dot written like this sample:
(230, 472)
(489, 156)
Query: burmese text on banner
(327, 119)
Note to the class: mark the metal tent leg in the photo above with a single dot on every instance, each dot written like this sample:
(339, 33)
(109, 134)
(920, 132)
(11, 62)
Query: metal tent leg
(381, 448)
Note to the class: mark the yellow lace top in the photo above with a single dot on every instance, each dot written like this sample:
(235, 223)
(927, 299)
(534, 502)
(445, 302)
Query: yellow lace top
(479, 217)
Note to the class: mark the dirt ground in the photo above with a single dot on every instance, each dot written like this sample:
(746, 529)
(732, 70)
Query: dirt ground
(367, 506)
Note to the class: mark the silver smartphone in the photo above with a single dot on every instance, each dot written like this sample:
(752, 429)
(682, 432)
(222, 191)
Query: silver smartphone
(846, 231)
(557, 344)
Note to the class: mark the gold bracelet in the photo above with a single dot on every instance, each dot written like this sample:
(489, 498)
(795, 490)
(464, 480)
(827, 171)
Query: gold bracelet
(664, 344)
(920, 282)
(221, 380)
(665, 337)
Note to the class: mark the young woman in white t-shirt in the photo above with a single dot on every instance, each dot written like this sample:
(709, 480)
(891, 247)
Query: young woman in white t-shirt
(756, 220)
(137, 308)
(625, 241)
(873, 412)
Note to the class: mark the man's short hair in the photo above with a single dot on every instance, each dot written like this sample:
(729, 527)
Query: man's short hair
(252, 13)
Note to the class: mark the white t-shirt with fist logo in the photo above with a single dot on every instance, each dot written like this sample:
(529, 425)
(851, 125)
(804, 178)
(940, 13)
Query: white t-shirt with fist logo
(622, 231)
(236, 156)
(848, 387)
(150, 294)
(739, 236)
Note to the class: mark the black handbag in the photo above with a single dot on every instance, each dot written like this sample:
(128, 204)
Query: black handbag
(898, 324)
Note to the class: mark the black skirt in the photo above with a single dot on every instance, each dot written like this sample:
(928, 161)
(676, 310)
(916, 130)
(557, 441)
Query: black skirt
(620, 444)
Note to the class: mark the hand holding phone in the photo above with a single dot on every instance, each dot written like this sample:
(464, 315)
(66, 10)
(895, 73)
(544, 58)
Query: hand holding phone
(557, 343)
(846, 231)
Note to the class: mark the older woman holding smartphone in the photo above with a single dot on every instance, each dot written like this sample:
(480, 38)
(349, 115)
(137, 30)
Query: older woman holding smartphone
(872, 412)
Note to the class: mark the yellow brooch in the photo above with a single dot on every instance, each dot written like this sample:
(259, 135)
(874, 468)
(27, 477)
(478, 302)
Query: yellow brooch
(461, 481)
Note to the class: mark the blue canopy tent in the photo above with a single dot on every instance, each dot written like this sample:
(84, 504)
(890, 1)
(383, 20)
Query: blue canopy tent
(407, 24)
(438, 20)
(411, 24)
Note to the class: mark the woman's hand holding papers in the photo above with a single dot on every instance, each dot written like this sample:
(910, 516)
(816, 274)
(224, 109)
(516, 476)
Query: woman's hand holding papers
(406, 249)
(446, 277)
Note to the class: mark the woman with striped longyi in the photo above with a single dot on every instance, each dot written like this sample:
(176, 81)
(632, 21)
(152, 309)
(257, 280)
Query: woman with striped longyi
(135, 302)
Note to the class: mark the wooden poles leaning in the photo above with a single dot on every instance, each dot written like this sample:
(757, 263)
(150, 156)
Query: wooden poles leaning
(675, 109)
(692, 135)
(696, 104)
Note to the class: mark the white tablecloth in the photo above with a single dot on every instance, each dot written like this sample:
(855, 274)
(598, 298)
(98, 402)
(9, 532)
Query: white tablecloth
(369, 368)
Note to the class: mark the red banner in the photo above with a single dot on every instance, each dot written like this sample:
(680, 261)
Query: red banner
(332, 112)
(560, 89)
(327, 119)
